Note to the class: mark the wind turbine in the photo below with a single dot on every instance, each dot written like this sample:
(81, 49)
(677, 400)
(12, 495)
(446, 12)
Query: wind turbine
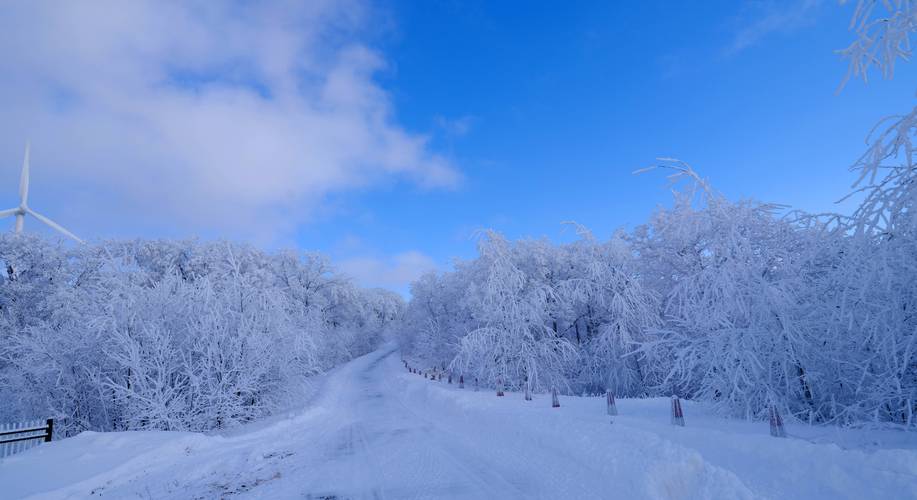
(23, 208)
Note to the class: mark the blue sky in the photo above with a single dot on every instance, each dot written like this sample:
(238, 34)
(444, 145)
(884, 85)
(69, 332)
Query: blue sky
(547, 113)
(515, 116)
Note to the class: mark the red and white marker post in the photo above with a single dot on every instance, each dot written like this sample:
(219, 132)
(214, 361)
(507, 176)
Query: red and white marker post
(610, 402)
(776, 422)
(678, 417)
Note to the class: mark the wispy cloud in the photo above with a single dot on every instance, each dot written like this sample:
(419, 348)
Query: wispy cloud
(238, 116)
(764, 18)
(457, 127)
(395, 272)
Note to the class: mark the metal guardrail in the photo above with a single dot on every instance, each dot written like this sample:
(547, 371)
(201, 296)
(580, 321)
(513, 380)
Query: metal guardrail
(18, 437)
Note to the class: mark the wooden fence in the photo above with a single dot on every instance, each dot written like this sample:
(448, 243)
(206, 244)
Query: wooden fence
(18, 437)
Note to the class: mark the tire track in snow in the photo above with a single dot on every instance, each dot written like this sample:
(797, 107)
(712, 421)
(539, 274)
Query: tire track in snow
(484, 478)
(643, 465)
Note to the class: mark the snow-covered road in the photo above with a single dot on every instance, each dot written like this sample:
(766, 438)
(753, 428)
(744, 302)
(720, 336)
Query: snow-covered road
(376, 431)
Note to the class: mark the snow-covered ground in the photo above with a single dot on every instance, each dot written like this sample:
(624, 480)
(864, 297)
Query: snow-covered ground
(376, 431)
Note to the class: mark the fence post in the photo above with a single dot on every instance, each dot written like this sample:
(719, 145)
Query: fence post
(450, 377)
(476, 386)
(678, 417)
(776, 422)
(461, 381)
(499, 388)
(17, 437)
(610, 400)
(528, 390)
(555, 402)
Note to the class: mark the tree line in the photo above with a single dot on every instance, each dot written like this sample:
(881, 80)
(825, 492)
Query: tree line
(739, 303)
(736, 303)
(172, 335)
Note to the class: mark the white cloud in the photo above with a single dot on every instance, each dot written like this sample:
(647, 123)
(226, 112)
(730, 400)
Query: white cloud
(458, 127)
(230, 116)
(764, 18)
(396, 272)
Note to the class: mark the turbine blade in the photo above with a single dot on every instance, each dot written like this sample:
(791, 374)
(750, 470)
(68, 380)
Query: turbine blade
(8, 213)
(52, 224)
(24, 179)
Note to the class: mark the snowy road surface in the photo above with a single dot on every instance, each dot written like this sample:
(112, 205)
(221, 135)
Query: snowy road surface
(377, 432)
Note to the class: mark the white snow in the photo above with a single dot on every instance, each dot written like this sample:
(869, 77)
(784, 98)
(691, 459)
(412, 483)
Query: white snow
(376, 431)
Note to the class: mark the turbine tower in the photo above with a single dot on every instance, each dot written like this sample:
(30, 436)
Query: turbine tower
(23, 208)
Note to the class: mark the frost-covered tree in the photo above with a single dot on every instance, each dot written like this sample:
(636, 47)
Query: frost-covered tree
(731, 302)
(608, 310)
(568, 316)
(510, 342)
(733, 276)
(735, 303)
(880, 297)
(171, 334)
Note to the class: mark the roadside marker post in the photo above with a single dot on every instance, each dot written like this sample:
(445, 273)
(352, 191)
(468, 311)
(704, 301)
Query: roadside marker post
(776, 422)
(678, 417)
(610, 401)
